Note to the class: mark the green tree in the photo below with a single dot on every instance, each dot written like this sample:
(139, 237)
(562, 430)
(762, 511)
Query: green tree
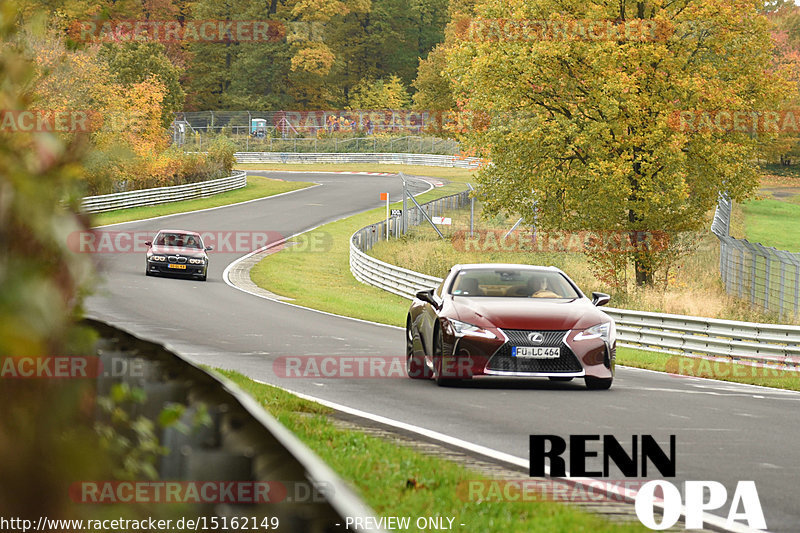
(389, 93)
(136, 62)
(582, 132)
(434, 89)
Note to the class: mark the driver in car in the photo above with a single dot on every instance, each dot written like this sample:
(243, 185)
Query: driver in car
(538, 288)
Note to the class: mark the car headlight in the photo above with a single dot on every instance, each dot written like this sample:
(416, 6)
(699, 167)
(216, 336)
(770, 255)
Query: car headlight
(158, 257)
(196, 261)
(600, 331)
(463, 328)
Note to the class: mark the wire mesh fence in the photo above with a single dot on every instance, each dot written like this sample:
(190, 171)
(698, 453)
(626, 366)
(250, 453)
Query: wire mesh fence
(767, 277)
(367, 237)
(398, 131)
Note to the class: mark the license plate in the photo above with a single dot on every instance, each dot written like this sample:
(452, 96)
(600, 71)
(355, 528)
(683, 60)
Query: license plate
(535, 352)
(182, 267)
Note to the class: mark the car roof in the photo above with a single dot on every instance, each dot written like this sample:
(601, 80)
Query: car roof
(475, 266)
(179, 232)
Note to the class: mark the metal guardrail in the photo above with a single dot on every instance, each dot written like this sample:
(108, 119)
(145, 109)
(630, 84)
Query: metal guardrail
(744, 342)
(433, 160)
(163, 195)
(768, 277)
(240, 442)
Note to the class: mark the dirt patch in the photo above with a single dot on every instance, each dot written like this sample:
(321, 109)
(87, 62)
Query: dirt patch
(779, 193)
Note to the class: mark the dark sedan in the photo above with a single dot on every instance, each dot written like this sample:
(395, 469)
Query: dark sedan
(177, 252)
(510, 320)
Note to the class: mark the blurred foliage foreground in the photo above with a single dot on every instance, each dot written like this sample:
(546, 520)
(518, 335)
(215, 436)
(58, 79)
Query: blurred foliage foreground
(49, 437)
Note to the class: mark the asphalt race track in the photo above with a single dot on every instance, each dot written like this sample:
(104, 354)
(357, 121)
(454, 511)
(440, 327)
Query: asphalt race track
(725, 432)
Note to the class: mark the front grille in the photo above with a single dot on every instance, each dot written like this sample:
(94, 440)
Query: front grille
(504, 362)
(176, 259)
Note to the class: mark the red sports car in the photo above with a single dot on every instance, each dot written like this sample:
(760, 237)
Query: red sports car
(510, 320)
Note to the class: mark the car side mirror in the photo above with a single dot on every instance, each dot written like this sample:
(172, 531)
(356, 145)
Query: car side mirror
(148, 243)
(426, 296)
(209, 248)
(600, 298)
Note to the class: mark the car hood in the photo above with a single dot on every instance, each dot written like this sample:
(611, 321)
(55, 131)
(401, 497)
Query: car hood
(175, 250)
(529, 313)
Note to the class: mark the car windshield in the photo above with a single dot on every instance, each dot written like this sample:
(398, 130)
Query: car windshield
(512, 283)
(178, 240)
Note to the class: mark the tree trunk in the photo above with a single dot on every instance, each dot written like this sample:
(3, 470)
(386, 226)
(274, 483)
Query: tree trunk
(643, 274)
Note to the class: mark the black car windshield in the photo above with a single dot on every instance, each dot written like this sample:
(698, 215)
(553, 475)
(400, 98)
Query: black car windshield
(178, 240)
(512, 283)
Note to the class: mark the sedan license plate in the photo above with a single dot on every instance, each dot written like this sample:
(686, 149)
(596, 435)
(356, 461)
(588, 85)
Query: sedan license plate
(182, 267)
(535, 352)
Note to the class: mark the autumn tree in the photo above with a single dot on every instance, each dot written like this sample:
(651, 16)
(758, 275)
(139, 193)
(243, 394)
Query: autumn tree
(388, 93)
(785, 19)
(583, 130)
(136, 62)
(434, 89)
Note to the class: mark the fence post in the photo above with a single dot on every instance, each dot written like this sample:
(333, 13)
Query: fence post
(796, 288)
(753, 278)
(741, 271)
(782, 289)
(766, 282)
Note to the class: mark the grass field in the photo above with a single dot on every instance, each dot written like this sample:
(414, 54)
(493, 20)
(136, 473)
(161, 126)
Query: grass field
(773, 222)
(452, 174)
(399, 481)
(257, 187)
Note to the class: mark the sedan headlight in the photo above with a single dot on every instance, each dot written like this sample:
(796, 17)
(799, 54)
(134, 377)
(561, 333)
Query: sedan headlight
(158, 258)
(197, 261)
(463, 328)
(600, 331)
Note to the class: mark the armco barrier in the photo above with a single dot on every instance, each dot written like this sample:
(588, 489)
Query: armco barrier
(239, 443)
(163, 195)
(745, 342)
(430, 160)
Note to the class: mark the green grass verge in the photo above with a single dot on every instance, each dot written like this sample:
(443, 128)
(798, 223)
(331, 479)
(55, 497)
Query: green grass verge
(453, 174)
(326, 283)
(399, 481)
(686, 366)
(257, 187)
(762, 218)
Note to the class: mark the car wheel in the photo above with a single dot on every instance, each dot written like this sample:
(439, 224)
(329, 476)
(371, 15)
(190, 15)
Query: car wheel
(438, 362)
(560, 378)
(414, 367)
(598, 383)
